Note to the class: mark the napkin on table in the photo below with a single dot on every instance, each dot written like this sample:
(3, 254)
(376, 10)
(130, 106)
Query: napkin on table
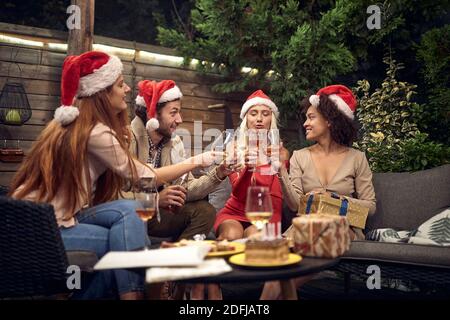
(179, 256)
(210, 267)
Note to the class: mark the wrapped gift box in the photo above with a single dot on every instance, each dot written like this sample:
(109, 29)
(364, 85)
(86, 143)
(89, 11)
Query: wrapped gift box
(320, 235)
(324, 203)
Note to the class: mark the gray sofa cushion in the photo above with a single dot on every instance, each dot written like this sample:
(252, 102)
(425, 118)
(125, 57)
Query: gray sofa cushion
(411, 254)
(406, 200)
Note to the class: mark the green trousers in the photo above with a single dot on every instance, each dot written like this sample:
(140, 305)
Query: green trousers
(195, 217)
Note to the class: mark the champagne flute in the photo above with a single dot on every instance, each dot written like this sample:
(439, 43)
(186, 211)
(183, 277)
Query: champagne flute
(147, 197)
(258, 207)
(273, 139)
(257, 146)
(252, 145)
(224, 142)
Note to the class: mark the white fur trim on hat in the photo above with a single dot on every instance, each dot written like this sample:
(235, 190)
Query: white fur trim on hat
(152, 124)
(66, 114)
(170, 95)
(101, 78)
(140, 101)
(342, 106)
(314, 100)
(258, 100)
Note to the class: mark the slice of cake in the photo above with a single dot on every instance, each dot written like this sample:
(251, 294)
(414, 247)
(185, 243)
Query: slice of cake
(220, 246)
(215, 246)
(266, 251)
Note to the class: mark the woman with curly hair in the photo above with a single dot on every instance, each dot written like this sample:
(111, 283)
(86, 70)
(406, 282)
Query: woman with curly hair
(330, 165)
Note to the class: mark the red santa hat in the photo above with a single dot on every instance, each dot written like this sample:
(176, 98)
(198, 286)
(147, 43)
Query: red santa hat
(258, 97)
(341, 96)
(151, 93)
(83, 76)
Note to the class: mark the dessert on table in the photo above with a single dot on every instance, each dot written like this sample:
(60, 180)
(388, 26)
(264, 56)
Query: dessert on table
(267, 247)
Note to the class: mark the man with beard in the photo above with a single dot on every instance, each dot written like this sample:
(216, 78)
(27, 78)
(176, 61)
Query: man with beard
(183, 211)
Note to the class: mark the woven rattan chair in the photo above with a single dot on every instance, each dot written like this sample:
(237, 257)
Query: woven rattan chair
(33, 260)
(3, 191)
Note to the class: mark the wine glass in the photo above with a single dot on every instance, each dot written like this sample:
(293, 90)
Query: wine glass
(147, 197)
(273, 137)
(259, 143)
(181, 181)
(222, 141)
(226, 143)
(254, 141)
(258, 207)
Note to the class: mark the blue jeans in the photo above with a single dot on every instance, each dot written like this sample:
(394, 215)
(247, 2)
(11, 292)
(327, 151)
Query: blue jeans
(111, 226)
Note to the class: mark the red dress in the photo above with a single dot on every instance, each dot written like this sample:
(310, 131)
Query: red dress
(235, 206)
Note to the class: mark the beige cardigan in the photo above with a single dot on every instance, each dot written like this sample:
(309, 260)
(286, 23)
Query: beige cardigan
(353, 179)
(172, 153)
(104, 152)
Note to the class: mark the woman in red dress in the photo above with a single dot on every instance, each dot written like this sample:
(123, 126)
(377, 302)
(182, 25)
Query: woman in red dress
(259, 116)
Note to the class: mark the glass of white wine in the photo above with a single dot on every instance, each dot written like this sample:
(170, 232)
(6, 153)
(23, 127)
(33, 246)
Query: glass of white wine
(258, 207)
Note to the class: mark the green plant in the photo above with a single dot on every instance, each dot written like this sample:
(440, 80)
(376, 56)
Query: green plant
(295, 47)
(420, 153)
(390, 134)
(434, 53)
(291, 46)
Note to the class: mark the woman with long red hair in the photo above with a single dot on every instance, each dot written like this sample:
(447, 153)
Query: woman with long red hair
(80, 163)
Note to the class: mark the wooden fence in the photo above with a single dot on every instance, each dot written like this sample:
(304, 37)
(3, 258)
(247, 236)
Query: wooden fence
(38, 68)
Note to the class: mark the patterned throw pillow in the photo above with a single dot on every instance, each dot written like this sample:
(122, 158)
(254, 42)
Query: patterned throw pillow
(436, 229)
(388, 235)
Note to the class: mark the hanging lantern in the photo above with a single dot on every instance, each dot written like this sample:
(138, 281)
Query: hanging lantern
(14, 111)
(14, 106)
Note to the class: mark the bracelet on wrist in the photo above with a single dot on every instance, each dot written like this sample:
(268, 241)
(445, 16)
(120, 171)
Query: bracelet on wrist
(216, 175)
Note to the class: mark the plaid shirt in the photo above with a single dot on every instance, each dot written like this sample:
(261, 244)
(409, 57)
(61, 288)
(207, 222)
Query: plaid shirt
(154, 152)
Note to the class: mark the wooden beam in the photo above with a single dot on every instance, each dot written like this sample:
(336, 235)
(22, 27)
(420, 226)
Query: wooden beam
(50, 35)
(47, 35)
(80, 40)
